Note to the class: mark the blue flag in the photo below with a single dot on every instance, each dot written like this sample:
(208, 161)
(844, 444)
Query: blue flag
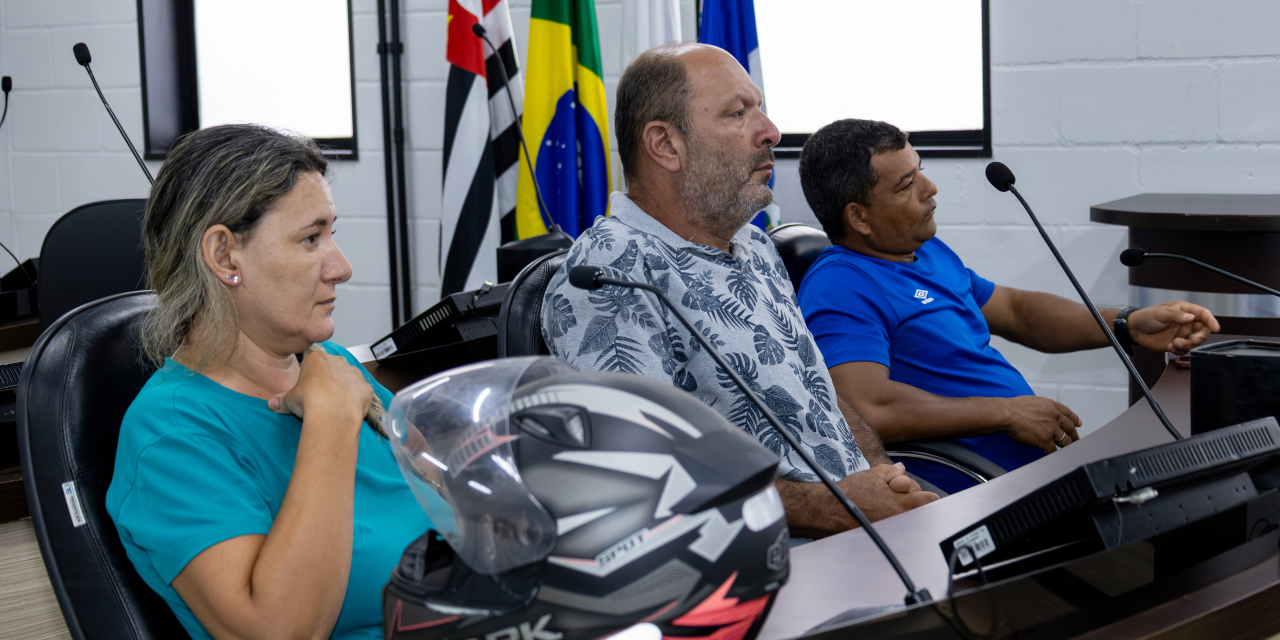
(731, 25)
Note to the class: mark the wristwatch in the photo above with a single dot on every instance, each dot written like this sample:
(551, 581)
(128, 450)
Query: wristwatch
(1121, 328)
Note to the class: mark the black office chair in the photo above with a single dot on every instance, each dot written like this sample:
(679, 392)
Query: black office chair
(92, 252)
(800, 245)
(520, 318)
(78, 380)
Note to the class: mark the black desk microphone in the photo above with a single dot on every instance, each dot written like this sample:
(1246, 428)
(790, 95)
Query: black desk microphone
(1002, 179)
(81, 51)
(1135, 256)
(591, 277)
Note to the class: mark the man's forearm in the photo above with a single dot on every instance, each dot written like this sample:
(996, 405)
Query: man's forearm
(1053, 324)
(900, 412)
(812, 512)
(868, 440)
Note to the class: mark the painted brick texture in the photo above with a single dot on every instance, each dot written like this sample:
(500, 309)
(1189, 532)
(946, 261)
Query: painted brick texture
(1092, 101)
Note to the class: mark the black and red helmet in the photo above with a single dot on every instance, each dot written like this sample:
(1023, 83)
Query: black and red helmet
(570, 506)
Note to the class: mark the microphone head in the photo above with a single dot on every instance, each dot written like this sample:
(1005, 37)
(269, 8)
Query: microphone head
(999, 176)
(82, 53)
(6, 84)
(584, 277)
(1132, 256)
(479, 30)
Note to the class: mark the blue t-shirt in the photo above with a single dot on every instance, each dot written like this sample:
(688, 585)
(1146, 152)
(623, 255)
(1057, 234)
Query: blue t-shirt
(198, 464)
(923, 320)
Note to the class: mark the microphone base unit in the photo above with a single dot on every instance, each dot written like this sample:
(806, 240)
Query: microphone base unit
(1146, 581)
(1124, 499)
(21, 277)
(464, 323)
(18, 296)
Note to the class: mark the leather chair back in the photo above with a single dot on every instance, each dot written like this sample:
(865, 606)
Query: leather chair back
(520, 320)
(799, 245)
(92, 252)
(78, 380)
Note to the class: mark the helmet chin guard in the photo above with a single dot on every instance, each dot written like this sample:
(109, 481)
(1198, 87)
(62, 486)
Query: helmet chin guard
(451, 438)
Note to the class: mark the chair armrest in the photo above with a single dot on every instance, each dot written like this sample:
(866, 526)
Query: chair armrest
(949, 454)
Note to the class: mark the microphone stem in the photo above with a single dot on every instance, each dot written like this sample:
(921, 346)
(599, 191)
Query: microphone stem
(914, 596)
(552, 227)
(117, 121)
(1102, 323)
(1215, 270)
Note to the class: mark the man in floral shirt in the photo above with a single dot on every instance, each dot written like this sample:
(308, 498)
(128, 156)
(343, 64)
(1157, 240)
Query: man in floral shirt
(697, 152)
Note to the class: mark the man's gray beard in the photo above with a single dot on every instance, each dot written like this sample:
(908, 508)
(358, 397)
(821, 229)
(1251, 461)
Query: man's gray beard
(715, 191)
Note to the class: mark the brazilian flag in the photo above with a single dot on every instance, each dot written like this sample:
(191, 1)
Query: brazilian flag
(565, 119)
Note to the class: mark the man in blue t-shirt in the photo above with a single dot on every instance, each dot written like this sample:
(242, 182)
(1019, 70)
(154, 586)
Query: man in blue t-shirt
(906, 328)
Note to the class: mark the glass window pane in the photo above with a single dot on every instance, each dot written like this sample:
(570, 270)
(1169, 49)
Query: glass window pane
(281, 63)
(914, 63)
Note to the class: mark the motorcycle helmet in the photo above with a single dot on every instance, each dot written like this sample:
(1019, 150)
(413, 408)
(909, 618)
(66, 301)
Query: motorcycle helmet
(570, 506)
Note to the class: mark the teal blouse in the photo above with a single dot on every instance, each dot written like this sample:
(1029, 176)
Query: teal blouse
(198, 463)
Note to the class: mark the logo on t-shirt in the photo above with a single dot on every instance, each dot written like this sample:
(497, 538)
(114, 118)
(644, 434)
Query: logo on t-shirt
(923, 296)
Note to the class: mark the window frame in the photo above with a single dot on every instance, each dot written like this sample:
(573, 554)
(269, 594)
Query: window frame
(170, 87)
(971, 143)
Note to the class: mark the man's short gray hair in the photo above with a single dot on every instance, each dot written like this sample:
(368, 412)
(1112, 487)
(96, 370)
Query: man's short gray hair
(655, 86)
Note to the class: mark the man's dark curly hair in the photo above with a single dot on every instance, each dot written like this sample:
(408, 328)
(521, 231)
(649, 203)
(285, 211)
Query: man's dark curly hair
(835, 167)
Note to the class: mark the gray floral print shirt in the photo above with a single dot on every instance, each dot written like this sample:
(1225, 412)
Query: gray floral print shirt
(741, 301)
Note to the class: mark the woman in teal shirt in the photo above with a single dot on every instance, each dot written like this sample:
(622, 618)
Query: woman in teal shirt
(249, 492)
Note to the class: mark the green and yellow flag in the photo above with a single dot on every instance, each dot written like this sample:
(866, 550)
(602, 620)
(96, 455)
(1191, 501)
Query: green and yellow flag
(565, 119)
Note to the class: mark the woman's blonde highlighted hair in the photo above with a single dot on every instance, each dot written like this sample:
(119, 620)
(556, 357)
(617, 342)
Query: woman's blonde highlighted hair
(229, 175)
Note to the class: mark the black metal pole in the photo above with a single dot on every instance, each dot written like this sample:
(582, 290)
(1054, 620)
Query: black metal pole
(402, 197)
(1097, 317)
(388, 167)
(1214, 269)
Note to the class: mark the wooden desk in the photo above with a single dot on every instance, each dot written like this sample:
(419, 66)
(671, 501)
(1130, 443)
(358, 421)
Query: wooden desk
(845, 571)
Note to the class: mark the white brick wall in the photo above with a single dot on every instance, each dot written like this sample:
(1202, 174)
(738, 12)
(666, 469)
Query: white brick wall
(1093, 100)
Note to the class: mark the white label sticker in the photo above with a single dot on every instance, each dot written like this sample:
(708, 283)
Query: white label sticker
(979, 540)
(73, 503)
(384, 348)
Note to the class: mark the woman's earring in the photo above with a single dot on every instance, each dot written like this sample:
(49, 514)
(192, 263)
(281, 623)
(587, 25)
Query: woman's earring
(235, 279)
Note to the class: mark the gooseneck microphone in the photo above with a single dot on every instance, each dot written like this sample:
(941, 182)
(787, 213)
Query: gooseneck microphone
(483, 34)
(591, 277)
(1002, 179)
(81, 51)
(6, 85)
(1135, 256)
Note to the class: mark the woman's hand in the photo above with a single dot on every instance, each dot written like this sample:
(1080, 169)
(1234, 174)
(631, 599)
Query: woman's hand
(292, 582)
(327, 384)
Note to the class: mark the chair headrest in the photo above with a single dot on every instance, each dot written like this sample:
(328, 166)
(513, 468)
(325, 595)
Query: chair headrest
(520, 321)
(93, 251)
(799, 245)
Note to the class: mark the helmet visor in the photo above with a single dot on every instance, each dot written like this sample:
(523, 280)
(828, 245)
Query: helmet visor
(451, 439)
